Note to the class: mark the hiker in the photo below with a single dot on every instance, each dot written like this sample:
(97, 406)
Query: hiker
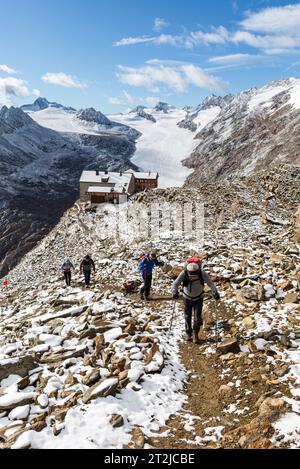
(193, 279)
(146, 266)
(86, 267)
(5, 283)
(66, 267)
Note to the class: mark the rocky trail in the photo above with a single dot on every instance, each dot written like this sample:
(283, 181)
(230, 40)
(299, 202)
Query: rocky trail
(98, 368)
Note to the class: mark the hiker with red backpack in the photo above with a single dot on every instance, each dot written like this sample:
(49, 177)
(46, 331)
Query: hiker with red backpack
(66, 267)
(86, 267)
(193, 279)
(147, 263)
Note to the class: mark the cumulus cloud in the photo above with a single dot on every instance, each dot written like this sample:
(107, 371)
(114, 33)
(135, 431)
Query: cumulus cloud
(270, 20)
(12, 87)
(159, 24)
(176, 78)
(7, 69)
(62, 79)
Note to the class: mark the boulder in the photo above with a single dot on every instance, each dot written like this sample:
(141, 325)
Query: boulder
(229, 345)
(291, 298)
(17, 366)
(248, 323)
(104, 388)
(16, 399)
(91, 378)
(117, 421)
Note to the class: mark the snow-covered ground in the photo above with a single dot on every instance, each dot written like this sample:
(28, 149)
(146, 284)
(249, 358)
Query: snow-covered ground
(163, 145)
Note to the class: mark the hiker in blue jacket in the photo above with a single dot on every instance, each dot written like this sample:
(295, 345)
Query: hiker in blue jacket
(146, 267)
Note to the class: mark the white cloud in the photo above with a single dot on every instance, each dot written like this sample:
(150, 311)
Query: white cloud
(218, 35)
(176, 78)
(265, 41)
(129, 41)
(159, 24)
(12, 87)
(62, 79)
(7, 69)
(273, 30)
(188, 41)
(233, 59)
(198, 77)
(284, 19)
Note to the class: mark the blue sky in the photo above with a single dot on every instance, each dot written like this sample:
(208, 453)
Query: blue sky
(116, 55)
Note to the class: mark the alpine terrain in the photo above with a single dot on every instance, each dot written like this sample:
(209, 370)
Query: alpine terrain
(100, 367)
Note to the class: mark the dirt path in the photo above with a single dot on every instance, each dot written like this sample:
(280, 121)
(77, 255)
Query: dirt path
(209, 410)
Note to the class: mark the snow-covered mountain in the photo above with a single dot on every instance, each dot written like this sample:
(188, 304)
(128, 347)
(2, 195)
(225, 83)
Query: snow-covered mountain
(86, 122)
(40, 170)
(91, 115)
(141, 112)
(163, 107)
(247, 131)
(43, 103)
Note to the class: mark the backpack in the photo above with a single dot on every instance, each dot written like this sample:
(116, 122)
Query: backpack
(87, 264)
(143, 256)
(66, 267)
(193, 260)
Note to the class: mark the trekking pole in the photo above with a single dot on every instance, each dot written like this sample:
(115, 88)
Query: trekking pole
(217, 325)
(172, 319)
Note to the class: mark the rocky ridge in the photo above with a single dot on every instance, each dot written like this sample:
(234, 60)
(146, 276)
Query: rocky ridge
(254, 130)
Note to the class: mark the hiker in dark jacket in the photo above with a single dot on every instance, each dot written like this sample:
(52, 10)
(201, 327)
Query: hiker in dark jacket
(67, 267)
(86, 267)
(146, 266)
(193, 279)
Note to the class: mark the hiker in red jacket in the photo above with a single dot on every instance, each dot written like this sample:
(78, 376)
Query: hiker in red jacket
(86, 267)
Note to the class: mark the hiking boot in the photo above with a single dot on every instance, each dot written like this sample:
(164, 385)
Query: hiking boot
(189, 338)
(147, 298)
(142, 296)
(197, 341)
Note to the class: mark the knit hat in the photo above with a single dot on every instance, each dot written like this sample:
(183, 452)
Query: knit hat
(193, 268)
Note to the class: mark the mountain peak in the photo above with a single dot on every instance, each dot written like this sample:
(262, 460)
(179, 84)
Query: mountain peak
(40, 104)
(13, 118)
(164, 107)
(91, 115)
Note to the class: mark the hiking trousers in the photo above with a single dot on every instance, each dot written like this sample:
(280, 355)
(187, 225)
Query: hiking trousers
(146, 288)
(68, 278)
(87, 277)
(193, 311)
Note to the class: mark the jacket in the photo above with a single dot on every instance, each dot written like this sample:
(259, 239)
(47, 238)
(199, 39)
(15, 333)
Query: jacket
(147, 265)
(195, 289)
(87, 266)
